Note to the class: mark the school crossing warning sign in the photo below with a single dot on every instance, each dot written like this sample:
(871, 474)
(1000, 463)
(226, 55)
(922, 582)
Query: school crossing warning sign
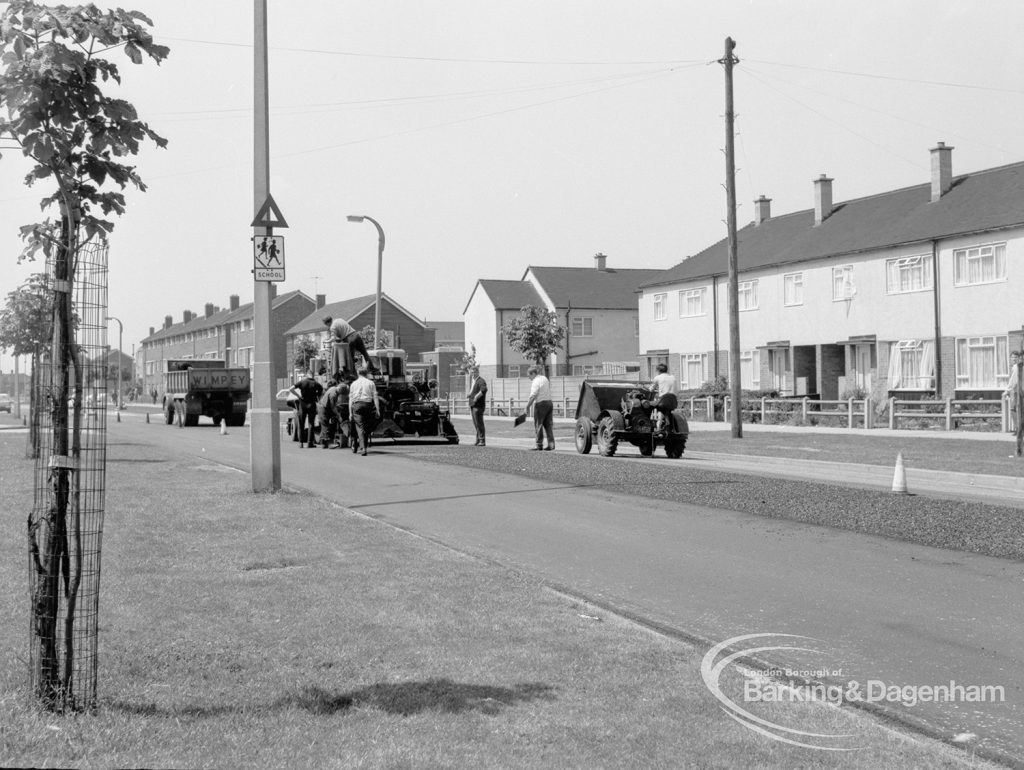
(268, 257)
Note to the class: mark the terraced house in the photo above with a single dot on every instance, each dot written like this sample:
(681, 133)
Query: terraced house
(912, 291)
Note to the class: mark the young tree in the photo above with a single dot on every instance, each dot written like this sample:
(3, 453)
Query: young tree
(305, 349)
(536, 334)
(24, 331)
(74, 136)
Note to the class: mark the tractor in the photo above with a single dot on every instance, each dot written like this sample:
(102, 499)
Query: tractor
(611, 412)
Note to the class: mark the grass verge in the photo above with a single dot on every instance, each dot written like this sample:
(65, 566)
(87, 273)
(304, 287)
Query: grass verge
(242, 630)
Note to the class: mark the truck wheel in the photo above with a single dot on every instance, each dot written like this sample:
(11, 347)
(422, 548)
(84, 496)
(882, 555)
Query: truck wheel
(607, 441)
(191, 420)
(584, 435)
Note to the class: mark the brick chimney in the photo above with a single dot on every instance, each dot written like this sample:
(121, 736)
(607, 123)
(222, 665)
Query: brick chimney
(822, 199)
(186, 316)
(168, 322)
(321, 300)
(942, 170)
(233, 302)
(599, 261)
(762, 209)
(152, 331)
(208, 310)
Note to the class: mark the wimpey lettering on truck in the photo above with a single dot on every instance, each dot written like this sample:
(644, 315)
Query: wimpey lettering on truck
(204, 387)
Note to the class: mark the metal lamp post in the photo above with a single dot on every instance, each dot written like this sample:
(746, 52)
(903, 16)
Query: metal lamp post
(380, 267)
(120, 355)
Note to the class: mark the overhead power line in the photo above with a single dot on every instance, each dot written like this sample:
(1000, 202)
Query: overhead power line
(446, 59)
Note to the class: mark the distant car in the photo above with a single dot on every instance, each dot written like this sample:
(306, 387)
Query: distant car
(6, 404)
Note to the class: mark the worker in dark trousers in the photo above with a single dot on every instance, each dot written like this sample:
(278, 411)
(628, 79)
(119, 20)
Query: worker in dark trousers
(477, 403)
(308, 391)
(364, 408)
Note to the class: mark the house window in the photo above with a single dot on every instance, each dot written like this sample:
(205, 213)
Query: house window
(793, 289)
(694, 369)
(659, 307)
(748, 295)
(982, 362)
(750, 369)
(908, 274)
(982, 264)
(579, 370)
(513, 370)
(842, 283)
(691, 303)
(582, 327)
(912, 365)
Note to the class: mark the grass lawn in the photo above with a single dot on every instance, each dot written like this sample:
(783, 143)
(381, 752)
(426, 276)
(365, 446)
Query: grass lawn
(242, 630)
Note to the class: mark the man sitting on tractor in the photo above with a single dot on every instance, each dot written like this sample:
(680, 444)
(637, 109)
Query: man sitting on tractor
(663, 395)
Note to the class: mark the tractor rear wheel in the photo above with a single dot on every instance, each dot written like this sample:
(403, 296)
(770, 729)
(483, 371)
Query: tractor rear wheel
(607, 441)
(584, 435)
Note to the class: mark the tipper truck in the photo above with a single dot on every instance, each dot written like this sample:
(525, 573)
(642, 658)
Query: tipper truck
(207, 387)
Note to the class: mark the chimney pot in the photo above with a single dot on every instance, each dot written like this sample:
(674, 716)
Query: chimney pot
(942, 170)
(599, 261)
(822, 199)
(762, 209)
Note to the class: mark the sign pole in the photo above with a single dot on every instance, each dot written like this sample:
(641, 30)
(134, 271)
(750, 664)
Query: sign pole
(265, 431)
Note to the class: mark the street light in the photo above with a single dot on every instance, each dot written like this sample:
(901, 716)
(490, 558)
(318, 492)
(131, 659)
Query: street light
(380, 267)
(120, 355)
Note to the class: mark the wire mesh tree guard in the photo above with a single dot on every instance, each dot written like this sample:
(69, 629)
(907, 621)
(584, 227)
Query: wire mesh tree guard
(65, 527)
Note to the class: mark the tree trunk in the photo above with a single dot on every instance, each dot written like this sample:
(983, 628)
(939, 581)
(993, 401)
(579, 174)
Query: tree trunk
(50, 541)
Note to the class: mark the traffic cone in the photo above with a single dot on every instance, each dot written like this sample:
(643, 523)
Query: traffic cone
(899, 478)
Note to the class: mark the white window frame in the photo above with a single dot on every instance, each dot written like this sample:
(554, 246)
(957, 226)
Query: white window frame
(915, 271)
(752, 360)
(691, 302)
(514, 371)
(747, 295)
(1000, 345)
(582, 370)
(842, 283)
(685, 359)
(793, 289)
(911, 352)
(962, 260)
(584, 322)
(660, 309)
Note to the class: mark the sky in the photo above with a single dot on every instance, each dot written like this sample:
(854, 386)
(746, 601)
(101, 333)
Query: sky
(489, 136)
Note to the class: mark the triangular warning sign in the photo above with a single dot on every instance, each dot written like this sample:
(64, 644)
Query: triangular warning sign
(269, 215)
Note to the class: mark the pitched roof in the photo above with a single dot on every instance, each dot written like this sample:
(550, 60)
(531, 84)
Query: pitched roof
(977, 202)
(221, 317)
(508, 295)
(347, 309)
(448, 331)
(587, 287)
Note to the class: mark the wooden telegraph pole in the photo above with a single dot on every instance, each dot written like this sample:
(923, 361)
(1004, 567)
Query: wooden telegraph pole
(730, 191)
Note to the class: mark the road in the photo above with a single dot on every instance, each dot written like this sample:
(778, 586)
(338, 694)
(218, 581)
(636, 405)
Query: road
(885, 610)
